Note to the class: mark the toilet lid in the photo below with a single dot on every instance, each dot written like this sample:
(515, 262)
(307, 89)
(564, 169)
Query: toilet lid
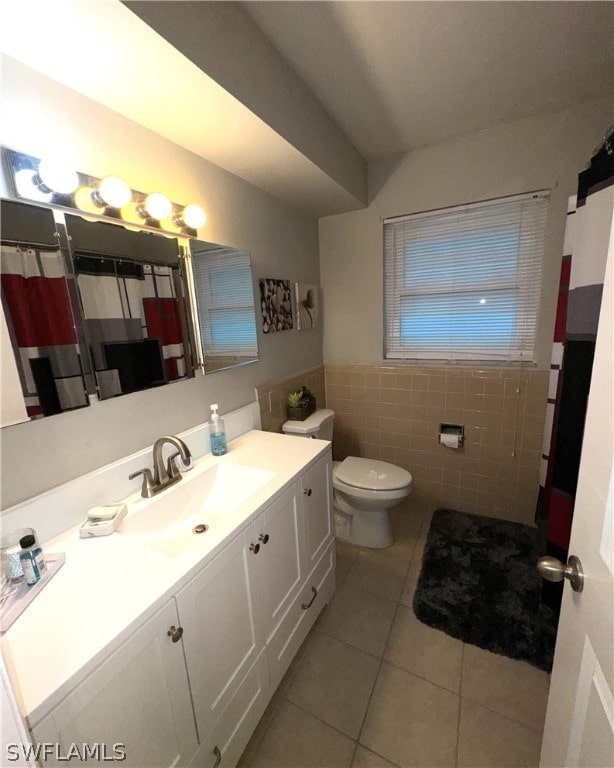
(371, 474)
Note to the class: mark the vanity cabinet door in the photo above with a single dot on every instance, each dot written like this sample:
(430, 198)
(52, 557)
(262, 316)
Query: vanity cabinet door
(137, 702)
(317, 504)
(223, 635)
(277, 533)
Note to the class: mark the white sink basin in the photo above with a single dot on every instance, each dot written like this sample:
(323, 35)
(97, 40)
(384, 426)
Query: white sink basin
(165, 522)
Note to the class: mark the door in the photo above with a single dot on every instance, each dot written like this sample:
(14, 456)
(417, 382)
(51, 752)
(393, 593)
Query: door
(316, 493)
(278, 537)
(221, 616)
(579, 721)
(135, 704)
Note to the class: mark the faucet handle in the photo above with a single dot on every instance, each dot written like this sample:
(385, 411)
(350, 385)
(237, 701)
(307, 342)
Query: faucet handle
(147, 489)
(172, 470)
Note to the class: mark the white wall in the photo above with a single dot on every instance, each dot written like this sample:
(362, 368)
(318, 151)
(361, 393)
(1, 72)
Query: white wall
(223, 41)
(536, 153)
(40, 115)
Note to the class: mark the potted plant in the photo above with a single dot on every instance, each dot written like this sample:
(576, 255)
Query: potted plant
(300, 404)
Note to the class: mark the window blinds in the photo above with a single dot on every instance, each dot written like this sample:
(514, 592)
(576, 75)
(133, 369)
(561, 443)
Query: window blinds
(464, 283)
(224, 298)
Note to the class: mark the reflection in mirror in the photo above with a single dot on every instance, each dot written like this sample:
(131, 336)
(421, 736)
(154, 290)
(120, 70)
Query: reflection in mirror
(41, 365)
(132, 305)
(224, 298)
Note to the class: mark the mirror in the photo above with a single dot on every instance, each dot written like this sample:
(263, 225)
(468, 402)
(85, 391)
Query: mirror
(223, 297)
(42, 372)
(132, 305)
(88, 307)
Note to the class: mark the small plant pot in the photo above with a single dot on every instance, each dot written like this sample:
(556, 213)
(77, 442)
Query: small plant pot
(300, 414)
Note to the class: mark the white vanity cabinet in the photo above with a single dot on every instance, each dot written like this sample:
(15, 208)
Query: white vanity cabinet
(138, 699)
(317, 557)
(222, 618)
(194, 697)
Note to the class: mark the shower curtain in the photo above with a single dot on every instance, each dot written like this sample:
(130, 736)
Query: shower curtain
(589, 219)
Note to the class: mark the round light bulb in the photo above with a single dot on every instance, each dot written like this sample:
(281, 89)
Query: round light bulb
(57, 176)
(194, 216)
(84, 200)
(26, 186)
(158, 206)
(114, 192)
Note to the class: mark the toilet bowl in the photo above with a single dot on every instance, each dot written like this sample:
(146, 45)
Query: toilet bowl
(363, 489)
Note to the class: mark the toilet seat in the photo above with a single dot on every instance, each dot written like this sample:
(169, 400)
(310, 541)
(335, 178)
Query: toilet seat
(371, 475)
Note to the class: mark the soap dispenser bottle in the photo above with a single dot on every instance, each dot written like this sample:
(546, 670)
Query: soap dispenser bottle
(217, 433)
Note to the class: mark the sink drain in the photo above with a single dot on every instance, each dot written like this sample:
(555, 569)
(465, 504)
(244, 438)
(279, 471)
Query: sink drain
(200, 528)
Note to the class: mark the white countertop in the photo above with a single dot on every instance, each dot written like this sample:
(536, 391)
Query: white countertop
(110, 585)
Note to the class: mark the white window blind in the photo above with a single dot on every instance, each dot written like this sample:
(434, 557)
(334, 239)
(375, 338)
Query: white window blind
(464, 283)
(225, 302)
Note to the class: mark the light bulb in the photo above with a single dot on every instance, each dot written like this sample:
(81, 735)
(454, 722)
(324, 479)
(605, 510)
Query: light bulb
(158, 206)
(114, 192)
(84, 200)
(26, 186)
(57, 176)
(193, 216)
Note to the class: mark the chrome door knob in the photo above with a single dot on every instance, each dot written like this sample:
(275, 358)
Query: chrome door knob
(552, 569)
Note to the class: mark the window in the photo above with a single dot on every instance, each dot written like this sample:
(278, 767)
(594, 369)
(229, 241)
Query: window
(464, 283)
(225, 301)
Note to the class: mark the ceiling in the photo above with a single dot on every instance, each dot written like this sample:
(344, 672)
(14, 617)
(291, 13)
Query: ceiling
(281, 103)
(400, 75)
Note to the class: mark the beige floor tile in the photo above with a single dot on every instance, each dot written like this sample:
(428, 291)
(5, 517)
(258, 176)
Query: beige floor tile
(360, 619)
(378, 571)
(295, 739)
(489, 740)
(346, 554)
(425, 651)
(334, 683)
(364, 758)
(250, 750)
(411, 580)
(510, 687)
(410, 721)
(406, 523)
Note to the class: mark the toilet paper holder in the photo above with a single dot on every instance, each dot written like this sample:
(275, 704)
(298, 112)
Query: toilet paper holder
(452, 435)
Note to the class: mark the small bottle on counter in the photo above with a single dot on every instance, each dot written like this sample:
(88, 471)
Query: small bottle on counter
(32, 560)
(217, 433)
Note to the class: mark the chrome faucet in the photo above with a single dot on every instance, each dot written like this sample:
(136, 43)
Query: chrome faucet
(163, 476)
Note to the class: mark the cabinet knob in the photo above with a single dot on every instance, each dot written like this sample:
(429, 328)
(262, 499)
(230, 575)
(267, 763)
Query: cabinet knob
(264, 538)
(218, 756)
(307, 491)
(175, 633)
(255, 548)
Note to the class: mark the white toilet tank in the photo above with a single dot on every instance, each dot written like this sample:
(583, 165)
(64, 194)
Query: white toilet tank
(319, 425)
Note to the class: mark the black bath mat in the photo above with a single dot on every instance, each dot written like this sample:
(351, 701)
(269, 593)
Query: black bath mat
(479, 583)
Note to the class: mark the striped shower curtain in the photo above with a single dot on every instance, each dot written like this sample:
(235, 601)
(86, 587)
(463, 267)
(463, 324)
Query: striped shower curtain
(589, 221)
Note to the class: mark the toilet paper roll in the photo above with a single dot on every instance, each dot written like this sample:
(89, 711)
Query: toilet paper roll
(450, 441)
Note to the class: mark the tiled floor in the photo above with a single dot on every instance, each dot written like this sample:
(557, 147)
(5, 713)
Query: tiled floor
(372, 686)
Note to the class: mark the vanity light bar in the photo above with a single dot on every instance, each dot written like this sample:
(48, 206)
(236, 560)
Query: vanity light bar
(52, 181)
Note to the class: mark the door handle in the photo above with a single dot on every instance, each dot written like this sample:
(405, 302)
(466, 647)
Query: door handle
(304, 606)
(552, 569)
(218, 756)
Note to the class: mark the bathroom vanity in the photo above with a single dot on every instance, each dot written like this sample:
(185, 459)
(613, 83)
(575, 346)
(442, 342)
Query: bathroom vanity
(168, 644)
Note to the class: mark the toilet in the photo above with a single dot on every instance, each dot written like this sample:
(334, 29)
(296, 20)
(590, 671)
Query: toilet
(363, 489)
